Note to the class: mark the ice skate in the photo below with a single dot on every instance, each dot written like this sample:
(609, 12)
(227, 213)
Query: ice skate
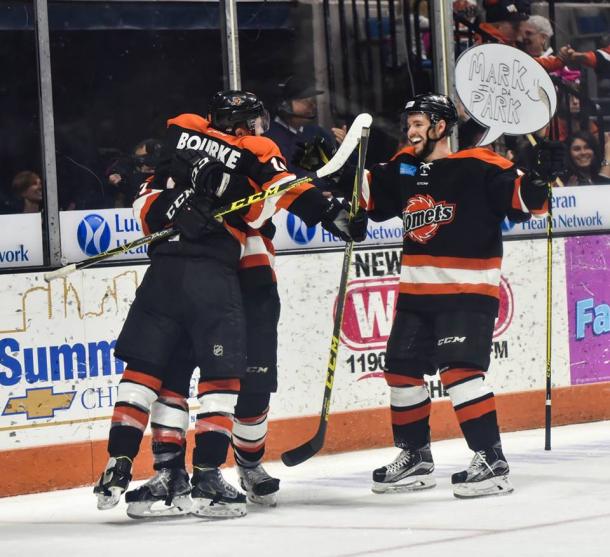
(164, 495)
(410, 471)
(259, 486)
(486, 475)
(214, 497)
(113, 482)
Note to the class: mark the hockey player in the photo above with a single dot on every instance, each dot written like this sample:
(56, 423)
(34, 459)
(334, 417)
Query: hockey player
(229, 139)
(452, 205)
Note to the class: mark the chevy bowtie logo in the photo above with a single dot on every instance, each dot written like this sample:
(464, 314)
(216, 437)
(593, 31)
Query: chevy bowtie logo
(39, 403)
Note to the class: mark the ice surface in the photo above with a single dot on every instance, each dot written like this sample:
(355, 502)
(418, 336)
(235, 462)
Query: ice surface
(561, 506)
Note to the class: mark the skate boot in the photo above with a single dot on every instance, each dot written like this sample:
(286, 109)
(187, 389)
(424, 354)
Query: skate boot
(113, 482)
(164, 495)
(486, 475)
(411, 471)
(259, 486)
(214, 497)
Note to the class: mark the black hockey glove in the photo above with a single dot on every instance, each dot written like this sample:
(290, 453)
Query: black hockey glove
(550, 162)
(191, 169)
(312, 155)
(335, 219)
(194, 217)
(358, 225)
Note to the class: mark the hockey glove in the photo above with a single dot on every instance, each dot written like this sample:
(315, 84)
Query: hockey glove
(194, 218)
(358, 225)
(314, 154)
(550, 162)
(190, 169)
(335, 219)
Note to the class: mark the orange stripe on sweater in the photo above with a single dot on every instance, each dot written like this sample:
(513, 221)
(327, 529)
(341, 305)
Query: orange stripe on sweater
(394, 380)
(410, 416)
(212, 385)
(474, 411)
(142, 379)
(428, 289)
(452, 262)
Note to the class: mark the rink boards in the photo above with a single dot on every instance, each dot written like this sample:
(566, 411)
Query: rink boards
(58, 374)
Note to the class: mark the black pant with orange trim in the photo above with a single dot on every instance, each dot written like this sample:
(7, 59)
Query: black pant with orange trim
(458, 343)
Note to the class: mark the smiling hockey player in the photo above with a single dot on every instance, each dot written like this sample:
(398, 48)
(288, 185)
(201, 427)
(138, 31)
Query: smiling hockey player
(452, 205)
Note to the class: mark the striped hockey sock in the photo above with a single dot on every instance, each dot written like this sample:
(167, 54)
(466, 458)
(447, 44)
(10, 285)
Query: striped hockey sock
(410, 406)
(169, 420)
(214, 425)
(137, 392)
(249, 436)
(474, 404)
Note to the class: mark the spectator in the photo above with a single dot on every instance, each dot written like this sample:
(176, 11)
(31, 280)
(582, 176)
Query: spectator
(536, 33)
(27, 189)
(585, 166)
(295, 132)
(126, 173)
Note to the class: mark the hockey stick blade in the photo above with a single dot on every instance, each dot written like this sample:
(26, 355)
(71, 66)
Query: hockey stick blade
(303, 452)
(333, 165)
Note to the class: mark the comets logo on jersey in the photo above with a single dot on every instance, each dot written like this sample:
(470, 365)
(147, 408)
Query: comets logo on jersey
(423, 215)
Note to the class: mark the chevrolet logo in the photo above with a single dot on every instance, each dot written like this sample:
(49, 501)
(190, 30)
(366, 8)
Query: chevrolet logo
(39, 403)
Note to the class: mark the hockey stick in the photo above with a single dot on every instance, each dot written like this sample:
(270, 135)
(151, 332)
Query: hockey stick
(549, 289)
(333, 165)
(309, 448)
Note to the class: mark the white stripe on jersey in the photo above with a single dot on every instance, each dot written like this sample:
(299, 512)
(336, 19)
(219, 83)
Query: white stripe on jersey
(442, 275)
(255, 245)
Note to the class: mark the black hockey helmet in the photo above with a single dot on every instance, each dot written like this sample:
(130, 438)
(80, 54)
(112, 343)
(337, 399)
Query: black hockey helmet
(437, 107)
(231, 109)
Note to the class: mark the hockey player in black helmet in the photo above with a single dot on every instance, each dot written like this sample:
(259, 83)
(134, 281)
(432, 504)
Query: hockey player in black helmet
(229, 110)
(452, 206)
(231, 410)
(437, 108)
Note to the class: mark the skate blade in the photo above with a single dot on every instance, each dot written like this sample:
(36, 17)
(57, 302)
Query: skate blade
(206, 508)
(181, 506)
(105, 502)
(499, 485)
(412, 483)
(269, 500)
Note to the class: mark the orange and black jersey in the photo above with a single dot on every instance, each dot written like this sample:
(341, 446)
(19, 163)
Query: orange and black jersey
(452, 210)
(257, 158)
(259, 161)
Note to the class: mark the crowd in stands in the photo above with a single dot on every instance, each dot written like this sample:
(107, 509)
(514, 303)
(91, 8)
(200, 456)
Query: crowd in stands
(87, 180)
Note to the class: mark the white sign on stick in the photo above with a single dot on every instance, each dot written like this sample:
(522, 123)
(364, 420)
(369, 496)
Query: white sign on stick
(500, 88)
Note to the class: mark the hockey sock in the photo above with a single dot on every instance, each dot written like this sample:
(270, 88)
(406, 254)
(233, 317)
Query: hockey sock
(250, 428)
(217, 398)
(169, 420)
(410, 406)
(474, 404)
(137, 391)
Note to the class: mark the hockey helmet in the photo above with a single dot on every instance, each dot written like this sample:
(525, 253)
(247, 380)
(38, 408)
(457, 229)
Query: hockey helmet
(231, 109)
(437, 107)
